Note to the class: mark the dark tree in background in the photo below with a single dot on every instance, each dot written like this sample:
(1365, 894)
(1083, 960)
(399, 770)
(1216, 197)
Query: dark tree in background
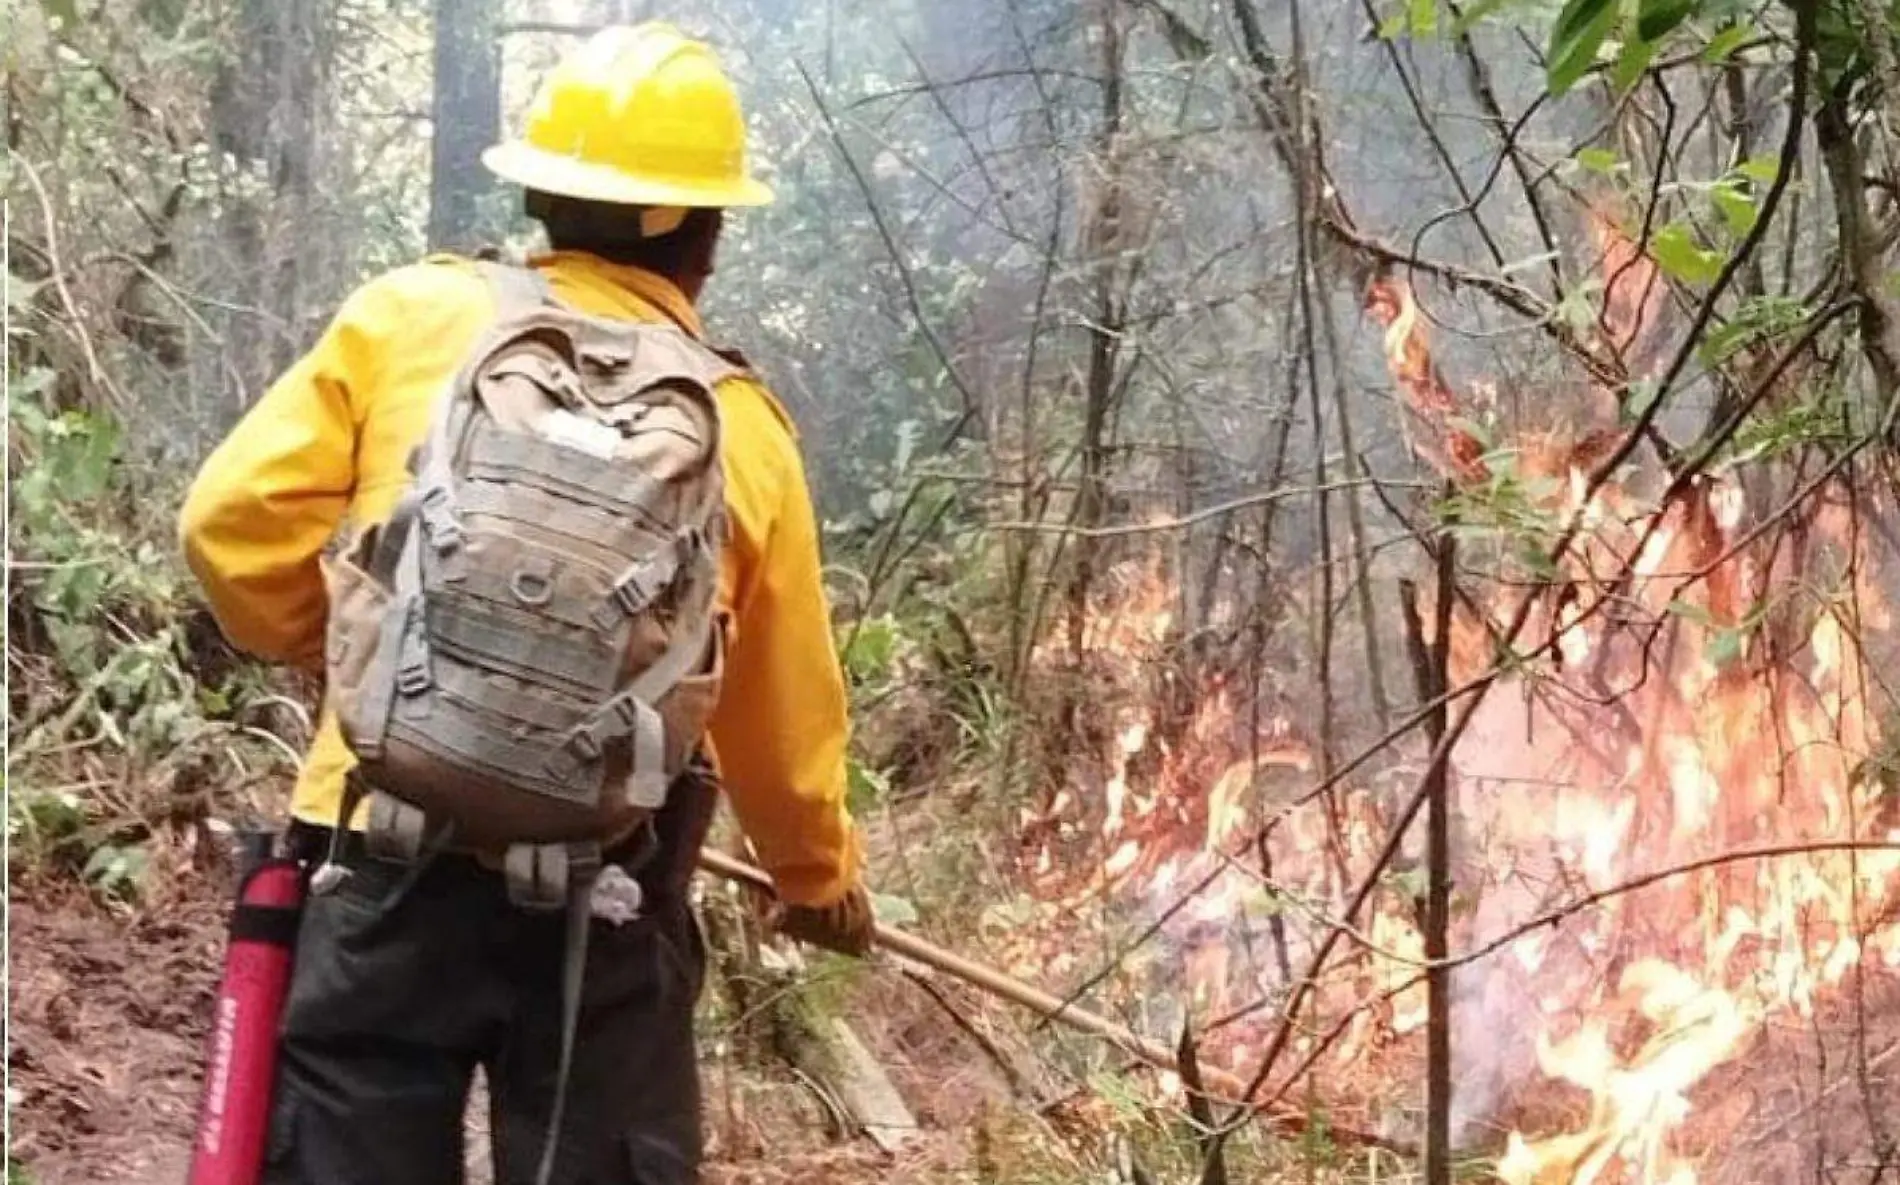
(467, 115)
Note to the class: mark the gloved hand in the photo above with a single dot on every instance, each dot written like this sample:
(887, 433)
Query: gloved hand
(844, 926)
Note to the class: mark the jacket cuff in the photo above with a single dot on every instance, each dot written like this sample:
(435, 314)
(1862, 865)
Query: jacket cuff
(817, 885)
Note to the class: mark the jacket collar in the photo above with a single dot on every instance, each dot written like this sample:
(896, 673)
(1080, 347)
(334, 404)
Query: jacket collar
(649, 288)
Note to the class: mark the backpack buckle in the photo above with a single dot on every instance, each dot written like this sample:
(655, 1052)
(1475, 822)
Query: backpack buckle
(642, 584)
(621, 715)
(438, 519)
(582, 745)
(413, 678)
(616, 718)
(631, 592)
(627, 598)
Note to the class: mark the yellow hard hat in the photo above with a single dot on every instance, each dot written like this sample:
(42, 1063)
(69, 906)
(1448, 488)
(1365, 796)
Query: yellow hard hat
(638, 116)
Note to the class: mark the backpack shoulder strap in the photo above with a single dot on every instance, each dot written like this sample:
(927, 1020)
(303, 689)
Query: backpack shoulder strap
(517, 288)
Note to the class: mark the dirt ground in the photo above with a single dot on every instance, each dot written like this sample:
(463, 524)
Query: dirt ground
(107, 1029)
(108, 1021)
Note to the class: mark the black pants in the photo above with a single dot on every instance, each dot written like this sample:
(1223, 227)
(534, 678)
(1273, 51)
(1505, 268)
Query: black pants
(395, 1002)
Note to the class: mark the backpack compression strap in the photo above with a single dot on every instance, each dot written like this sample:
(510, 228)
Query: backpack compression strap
(549, 876)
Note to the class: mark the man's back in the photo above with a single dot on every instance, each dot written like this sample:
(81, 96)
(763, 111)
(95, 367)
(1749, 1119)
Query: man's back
(327, 449)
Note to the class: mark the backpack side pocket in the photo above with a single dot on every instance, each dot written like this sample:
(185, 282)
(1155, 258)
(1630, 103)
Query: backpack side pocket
(358, 604)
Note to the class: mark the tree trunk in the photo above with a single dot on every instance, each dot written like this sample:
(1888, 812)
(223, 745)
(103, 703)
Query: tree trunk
(467, 115)
(266, 107)
(1102, 243)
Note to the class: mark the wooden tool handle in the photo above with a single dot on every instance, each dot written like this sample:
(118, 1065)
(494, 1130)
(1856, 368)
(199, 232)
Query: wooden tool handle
(1216, 1083)
(997, 983)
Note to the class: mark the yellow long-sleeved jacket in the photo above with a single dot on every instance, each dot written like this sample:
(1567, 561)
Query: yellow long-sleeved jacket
(329, 442)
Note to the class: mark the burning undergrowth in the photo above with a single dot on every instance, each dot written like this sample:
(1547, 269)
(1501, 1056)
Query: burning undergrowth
(1677, 837)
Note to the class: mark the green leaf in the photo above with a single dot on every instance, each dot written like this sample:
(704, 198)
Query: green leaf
(1578, 309)
(870, 648)
(1679, 254)
(1754, 320)
(1721, 343)
(1639, 398)
(53, 815)
(116, 871)
(1536, 560)
(1472, 15)
(1760, 169)
(1780, 433)
(1631, 62)
(1735, 205)
(1415, 18)
(1262, 903)
(1580, 30)
(1725, 43)
(1598, 160)
(1409, 882)
(1656, 19)
(864, 787)
(1838, 45)
(1726, 645)
(1689, 612)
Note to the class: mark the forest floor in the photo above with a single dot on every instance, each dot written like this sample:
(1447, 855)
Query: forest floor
(108, 1023)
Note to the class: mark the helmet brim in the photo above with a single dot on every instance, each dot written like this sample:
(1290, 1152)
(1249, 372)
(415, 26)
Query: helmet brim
(568, 176)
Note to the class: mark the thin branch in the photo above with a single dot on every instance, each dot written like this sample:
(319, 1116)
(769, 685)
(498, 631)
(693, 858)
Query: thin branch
(1198, 516)
(94, 370)
(970, 403)
(1035, 74)
(1569, 909)
(1430, 128)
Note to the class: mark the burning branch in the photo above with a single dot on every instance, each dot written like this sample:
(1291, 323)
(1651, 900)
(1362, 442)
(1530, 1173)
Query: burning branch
(1378, 257)
(1454, 452)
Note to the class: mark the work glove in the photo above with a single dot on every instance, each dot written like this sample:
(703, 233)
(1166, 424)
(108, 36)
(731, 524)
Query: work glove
(844, 927)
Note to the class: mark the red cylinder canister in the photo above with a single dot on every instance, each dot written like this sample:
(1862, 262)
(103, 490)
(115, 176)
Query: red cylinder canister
(241, 1060)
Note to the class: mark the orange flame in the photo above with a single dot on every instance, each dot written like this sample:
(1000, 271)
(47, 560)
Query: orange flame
(1409, 356)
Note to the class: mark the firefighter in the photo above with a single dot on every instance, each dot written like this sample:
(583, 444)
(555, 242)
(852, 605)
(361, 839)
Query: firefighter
(409, 978)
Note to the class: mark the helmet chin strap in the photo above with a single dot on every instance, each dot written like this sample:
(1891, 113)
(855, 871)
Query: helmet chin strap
(660, 220)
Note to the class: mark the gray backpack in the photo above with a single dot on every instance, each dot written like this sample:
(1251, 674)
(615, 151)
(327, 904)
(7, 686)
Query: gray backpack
(526, 654)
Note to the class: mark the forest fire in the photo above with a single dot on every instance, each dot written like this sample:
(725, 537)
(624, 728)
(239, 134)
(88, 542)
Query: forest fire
(1700, 711)
(1738, 748)
(1667, 839)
